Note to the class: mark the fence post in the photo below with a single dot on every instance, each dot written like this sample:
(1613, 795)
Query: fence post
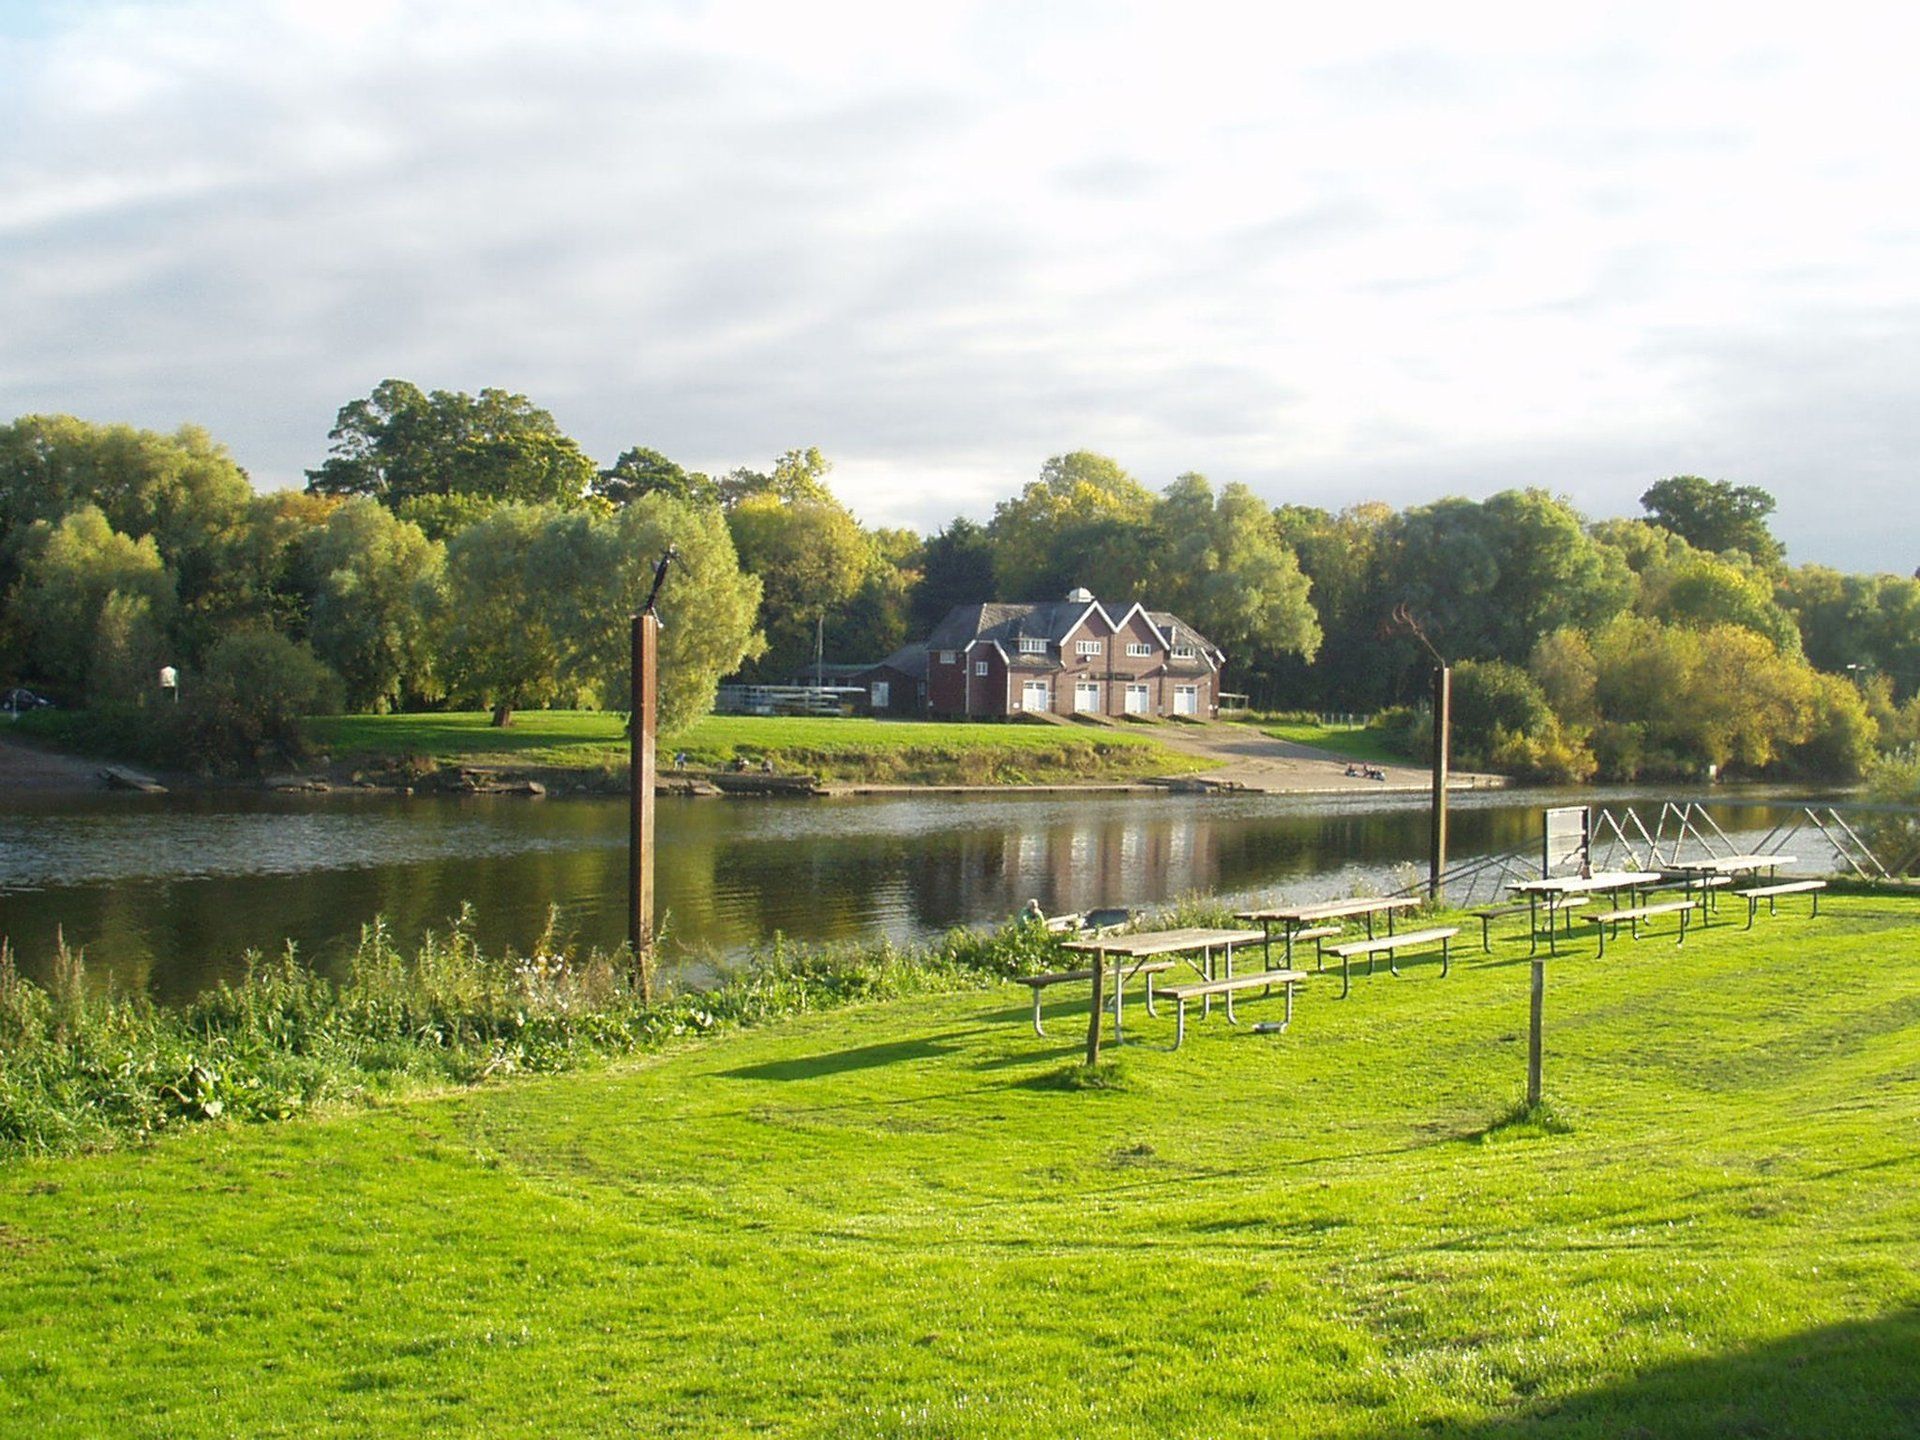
(1533, 1033)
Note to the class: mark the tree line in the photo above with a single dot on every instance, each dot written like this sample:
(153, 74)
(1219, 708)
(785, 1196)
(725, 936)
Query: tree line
(461, 550)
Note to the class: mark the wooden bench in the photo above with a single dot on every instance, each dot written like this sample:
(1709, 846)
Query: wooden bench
(1500, 912)
(1634, 914)
(1387, 944)
(1769, 893)
(1203, 989)
(1317, 934)
(1039, 983)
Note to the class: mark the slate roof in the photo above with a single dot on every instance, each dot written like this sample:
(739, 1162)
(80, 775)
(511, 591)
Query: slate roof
(1050, 620)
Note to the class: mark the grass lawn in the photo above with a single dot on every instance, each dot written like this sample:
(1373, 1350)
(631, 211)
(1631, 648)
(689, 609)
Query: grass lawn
(1349, 742)
(906, 751)
(896, 1220)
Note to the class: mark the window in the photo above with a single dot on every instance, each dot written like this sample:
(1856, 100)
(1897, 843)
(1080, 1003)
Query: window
(1032, 647)
(1183, 652)
(979, 667)
(1087, 647)
(1137, 650)
(881, 692)
(947, 657)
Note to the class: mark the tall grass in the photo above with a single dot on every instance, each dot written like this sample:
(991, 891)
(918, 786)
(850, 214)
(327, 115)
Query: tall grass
(79, 1070)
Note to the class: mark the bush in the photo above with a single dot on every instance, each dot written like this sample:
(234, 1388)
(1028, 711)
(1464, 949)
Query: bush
(243, 711)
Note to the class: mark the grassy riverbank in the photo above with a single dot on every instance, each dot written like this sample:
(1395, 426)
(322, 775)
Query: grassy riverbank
(900, 1218)
(590, 744)
(1347, 742)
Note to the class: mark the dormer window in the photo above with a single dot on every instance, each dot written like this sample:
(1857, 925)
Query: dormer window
(1032, 647)
(1183, 652)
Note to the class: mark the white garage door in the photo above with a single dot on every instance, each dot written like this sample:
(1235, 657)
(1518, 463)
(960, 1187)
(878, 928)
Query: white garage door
(1136, 699)
(1186, 699)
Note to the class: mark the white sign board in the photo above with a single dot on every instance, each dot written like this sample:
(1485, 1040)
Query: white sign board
(1566, 842)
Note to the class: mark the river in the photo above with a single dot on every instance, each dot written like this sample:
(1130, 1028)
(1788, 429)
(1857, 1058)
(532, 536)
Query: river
(167, 894)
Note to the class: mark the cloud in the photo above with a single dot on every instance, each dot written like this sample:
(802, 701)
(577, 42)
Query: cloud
(944, 243)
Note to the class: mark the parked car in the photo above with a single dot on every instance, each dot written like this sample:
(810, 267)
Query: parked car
(19, 699)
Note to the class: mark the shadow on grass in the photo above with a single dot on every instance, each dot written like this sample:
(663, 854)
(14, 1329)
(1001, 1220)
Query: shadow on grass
(861, 1057)
(1852, 1380)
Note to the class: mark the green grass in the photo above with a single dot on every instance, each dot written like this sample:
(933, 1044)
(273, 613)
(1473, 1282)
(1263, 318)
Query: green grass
(1347, 742)
(903, 751)
(905, 1219)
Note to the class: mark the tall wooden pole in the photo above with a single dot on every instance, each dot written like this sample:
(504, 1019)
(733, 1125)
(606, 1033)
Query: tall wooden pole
(1442, 746)
(641, 768)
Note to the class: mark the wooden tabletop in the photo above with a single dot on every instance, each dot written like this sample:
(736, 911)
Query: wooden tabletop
(1733, 864)
(1580, 884)
(1165, 942)
(1332, 909)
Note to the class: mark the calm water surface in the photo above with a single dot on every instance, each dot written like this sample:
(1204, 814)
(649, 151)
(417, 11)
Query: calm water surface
(168, 893)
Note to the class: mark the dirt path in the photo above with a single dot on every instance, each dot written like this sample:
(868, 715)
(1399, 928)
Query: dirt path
(26, 767)
(1253, 761)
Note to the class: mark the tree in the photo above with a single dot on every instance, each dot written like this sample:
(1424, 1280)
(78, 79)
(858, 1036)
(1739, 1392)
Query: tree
(707, 607)
(509, 584)
(374, 580)
(798, 475)
(400, 443)
(810, 557)
(1223, 567)
(71, 574)
(1715, 516)
(1704, 590)
(183, 490)
(1069, 528)
(539, 604)
(956, 568)
(875, 621)
(641, 471)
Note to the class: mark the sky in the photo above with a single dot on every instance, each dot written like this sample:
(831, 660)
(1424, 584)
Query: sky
(1393, 253)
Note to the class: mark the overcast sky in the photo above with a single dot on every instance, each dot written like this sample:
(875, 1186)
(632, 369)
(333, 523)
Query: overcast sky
(1393, 253)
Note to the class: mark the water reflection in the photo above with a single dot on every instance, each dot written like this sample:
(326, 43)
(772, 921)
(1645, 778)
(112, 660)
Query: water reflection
(167, 893)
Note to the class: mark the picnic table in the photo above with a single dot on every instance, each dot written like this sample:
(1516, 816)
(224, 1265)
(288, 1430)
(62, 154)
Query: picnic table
(1556, 890)
(1313, 921)
(1195, 946)
(1710, 870)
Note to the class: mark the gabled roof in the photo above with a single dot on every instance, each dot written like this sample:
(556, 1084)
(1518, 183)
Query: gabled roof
(1052, 620)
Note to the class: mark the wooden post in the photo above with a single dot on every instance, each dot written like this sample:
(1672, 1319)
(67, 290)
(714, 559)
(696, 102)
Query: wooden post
(1442, 746)
(1533, 1031)
(1099, 1006)
(642, 770)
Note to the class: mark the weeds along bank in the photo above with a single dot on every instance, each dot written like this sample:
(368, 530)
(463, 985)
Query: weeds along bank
(79, 1070)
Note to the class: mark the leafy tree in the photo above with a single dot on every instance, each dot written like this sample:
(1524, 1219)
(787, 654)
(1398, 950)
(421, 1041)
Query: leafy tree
(183, 490)
(810, 557)
(641, 471)
(707, 607)
(69, 573)
(798, 475)
(1715, 516)
(1342, 558)
(1073, 526)
(1843, 742)
(509, 581)
(243, 709)
(1487, 580)
(1865, 625)
(374, 582)
(876, 620)
(956, 568)
(539, 606)
(1223, 566)
(1563, 666)
(1704, 590)
(400, 443)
